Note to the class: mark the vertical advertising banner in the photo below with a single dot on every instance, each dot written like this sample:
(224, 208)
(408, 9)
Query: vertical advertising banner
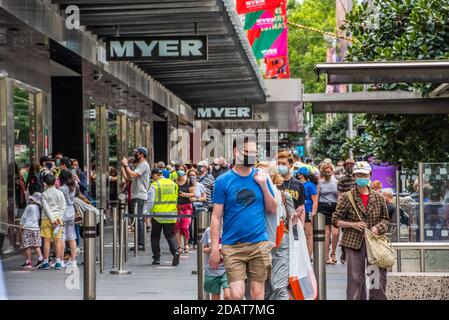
(268, 35)
(247, 6)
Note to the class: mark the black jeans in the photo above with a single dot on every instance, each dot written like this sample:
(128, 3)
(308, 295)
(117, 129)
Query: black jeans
(140, 229)
(169, 233)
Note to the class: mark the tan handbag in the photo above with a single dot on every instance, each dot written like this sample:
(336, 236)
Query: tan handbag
(378, 247)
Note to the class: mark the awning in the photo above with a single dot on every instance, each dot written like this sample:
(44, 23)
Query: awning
(383, 102)
(229, 76)
(385, 72)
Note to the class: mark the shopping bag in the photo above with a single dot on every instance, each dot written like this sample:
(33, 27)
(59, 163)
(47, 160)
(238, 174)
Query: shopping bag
(302, 279)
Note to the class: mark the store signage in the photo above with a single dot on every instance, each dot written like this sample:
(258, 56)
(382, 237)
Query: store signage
(156, 48)
(224, 113)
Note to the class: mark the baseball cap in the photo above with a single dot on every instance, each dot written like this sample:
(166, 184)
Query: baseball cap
(203, 163)
(303, 171)
(142, 150)
(156, 171)
(362, 167)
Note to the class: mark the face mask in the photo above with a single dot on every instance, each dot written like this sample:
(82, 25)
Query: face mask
(362, 182)
(192, 179)
(283, 170)
(327, 175)
(49, 165)
(136, 156)
(58, 162)
(217, 167)
(181, 173)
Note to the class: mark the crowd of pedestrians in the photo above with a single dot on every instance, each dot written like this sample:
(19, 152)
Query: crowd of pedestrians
(252, 206)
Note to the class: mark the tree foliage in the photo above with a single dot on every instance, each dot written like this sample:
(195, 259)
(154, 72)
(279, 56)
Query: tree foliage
(307, 48)
(403, 30)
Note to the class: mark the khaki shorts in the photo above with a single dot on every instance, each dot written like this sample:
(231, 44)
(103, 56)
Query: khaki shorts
(47, 230)
(243, 260)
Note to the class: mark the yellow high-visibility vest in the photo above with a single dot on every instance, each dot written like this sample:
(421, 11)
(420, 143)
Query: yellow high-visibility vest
(166, 199)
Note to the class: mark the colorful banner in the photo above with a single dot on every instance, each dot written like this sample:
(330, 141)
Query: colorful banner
(385, 174)
(267, 33)
(247, 6)
(259, 20)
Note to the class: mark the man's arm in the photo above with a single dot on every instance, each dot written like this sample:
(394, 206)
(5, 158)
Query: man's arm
(132, 174)
(217, 215)
(151, 196)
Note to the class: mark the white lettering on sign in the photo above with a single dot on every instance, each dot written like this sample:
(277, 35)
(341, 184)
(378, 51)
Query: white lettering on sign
(119, 50)
(224, 113)
(191, 48)
(146, 48)
(168, 48)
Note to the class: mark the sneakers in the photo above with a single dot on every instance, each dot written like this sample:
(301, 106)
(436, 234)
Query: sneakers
(156, 262)
(45, 266)
(54, 263)
(175, 261)
(38, 264)
(58, 266)
(27, 265)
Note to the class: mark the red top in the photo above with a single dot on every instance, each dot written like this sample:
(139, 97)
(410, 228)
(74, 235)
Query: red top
(365, 198)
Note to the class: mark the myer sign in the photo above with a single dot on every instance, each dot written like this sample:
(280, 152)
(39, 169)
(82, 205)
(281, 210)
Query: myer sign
(224, 113)
(156, 48)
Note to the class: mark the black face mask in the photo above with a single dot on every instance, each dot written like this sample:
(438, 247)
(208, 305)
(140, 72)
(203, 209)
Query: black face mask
(137, 157)
(248, 161)
(349, 171)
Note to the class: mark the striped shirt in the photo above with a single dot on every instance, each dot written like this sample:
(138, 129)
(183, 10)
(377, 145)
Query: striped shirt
(208, 181)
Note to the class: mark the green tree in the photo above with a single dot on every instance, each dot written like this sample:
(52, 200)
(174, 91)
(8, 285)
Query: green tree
(307, 48)
(330, 140)
(403, 30)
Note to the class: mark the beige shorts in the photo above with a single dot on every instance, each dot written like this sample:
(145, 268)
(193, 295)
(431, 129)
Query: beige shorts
(243, 260)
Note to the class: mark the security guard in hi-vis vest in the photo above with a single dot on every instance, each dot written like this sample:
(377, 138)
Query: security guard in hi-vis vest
(162, 200)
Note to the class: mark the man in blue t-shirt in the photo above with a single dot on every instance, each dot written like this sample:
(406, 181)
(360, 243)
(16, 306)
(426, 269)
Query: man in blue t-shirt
(241, 198)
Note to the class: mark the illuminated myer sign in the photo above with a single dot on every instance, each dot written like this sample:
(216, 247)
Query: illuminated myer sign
(156, 48)
(224, 113)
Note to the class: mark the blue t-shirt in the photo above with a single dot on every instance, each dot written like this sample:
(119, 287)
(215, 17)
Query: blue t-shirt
(244, 208)
(309, 190)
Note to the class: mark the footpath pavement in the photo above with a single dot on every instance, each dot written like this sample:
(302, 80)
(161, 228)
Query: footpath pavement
(146, 282)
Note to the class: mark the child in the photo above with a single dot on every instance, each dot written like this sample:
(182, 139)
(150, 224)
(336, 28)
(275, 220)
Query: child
(31, 238)
(54, 206)
(68, 188)
(214, 280)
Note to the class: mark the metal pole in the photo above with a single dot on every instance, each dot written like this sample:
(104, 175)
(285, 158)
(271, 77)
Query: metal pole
(350, 125)
(89, 235)
(201, 227)
(319, 254)
(101, 240)
(144, 235)
(398, 219)
(421, 211)
(125, 235)
(114, 237)
(136, 232)
(122, 232)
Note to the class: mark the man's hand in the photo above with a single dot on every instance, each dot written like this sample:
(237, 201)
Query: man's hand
(375, 231)
(215, 258)
(124, 161)
(360, 226)
(261, 177)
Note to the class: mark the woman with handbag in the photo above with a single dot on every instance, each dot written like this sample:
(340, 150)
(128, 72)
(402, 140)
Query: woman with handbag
(327, 202)
(363, 213)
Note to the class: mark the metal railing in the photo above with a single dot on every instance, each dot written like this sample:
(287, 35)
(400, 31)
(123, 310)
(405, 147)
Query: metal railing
(422, 247)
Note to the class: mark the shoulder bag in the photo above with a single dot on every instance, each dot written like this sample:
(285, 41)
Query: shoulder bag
(378, 247)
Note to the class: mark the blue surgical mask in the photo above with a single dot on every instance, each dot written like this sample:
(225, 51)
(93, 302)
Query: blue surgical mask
(283, 170)
(181, 173)
(362, 182)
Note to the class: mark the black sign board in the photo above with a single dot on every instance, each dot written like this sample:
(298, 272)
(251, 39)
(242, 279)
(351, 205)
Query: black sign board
(224, 113)
(156, 48)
